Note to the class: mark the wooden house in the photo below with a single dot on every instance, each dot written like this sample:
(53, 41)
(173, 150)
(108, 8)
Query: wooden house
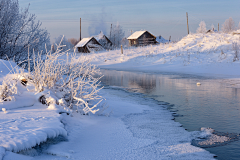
(141, 38)
(87, 45)
(104, 41)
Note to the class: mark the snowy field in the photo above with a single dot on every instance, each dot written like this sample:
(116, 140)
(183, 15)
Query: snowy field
(136, 128)
(202, 54)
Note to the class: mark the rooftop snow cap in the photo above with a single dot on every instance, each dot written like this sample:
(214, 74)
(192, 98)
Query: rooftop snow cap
(83, 42)
(137, 34)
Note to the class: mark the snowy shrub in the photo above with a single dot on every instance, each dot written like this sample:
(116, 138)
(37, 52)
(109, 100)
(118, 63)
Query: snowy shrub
(228, 25)
(9, 85)
(58, 81)
(236, 49)
(202, 27)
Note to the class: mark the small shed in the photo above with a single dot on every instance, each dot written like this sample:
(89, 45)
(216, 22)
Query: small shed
(86, 45)
(103, 40)
(141, 38)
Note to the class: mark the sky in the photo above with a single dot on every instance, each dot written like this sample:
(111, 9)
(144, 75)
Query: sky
(165, 18)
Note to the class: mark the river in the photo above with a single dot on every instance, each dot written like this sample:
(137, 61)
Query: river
(212, 104)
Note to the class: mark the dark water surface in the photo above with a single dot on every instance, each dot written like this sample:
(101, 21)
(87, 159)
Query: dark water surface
(212, 104)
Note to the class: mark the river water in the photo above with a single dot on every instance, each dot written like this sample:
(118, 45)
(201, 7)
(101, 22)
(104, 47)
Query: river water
(211, 104)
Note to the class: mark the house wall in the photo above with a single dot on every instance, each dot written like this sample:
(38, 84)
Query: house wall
(146, 39)
(83, 50)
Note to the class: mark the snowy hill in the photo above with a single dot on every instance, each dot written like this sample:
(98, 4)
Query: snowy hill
(211, 53)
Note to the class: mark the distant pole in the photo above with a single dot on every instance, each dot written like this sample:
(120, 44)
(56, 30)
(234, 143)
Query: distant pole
(131, 32)
(169, 38)
(80, 30)
(187, 22)
(110, 31)
(121, 49)
(218, 27)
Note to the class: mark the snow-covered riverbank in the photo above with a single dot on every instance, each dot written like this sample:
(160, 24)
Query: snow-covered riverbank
(202, 54)
(137, 129)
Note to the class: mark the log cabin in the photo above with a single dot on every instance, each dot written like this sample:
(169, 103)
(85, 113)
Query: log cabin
(103, 40)
(87, 45)
(141, 38)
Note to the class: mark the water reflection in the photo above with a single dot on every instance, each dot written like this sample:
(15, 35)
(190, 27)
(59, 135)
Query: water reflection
(211, 104)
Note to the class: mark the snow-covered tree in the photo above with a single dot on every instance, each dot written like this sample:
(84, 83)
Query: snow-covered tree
(19, 32)
(202, 27)
(117, 34)
(228, 25)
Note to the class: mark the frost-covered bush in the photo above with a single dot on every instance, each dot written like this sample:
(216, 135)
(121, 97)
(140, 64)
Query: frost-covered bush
(58, 79)
(228, 25)
(202, 27)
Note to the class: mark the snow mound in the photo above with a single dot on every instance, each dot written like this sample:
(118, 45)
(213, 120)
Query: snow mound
(27, 127)
(160, 39)
(211, 138)
(207, 42)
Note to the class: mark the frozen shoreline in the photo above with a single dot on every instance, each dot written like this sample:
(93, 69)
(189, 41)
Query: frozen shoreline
(134, 131)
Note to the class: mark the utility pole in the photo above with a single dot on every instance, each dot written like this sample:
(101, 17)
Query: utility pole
(80, 30)
(131, 32)
(110, 31)
(187, 22)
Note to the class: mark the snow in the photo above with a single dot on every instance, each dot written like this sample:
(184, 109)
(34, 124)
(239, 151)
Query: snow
(134, 131)
(83, 42)
(136, 34)
(202, 54)
(137, 129)
(160, 39)
(28, 126)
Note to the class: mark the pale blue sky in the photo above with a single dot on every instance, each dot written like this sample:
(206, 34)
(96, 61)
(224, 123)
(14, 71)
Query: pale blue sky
(166, 18)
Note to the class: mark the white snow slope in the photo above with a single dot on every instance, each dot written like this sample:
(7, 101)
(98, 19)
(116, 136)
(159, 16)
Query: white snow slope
(25, 122)
(203, 54)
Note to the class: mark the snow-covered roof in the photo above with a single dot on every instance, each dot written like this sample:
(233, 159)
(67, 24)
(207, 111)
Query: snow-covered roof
(136, 34)
(83, 42)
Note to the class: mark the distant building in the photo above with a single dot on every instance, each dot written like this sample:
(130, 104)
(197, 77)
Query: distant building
(141, 38)
(87, 45)
(104, 41)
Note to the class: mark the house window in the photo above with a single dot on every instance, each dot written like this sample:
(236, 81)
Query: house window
(135, 42)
